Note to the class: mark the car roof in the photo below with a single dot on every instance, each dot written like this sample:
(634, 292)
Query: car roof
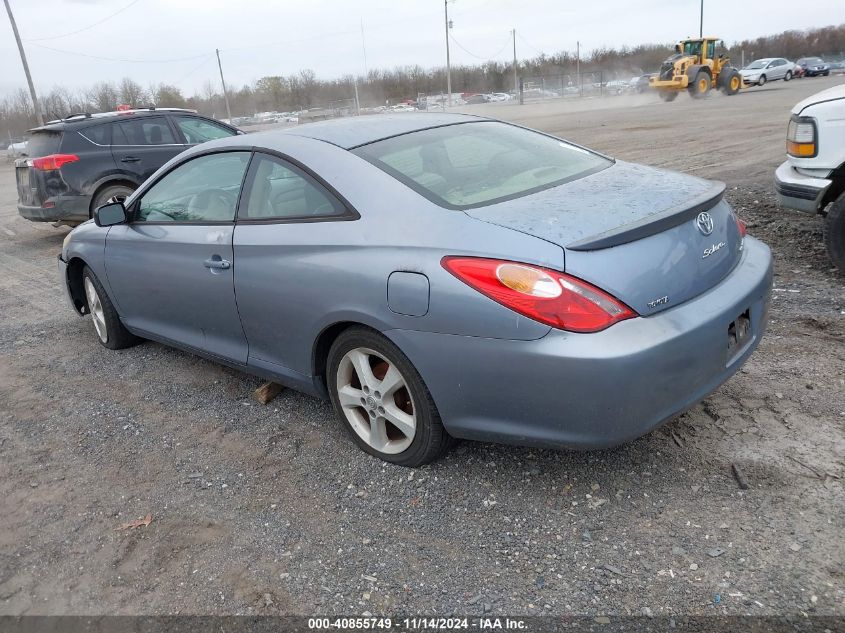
(85, 119)
(351, 132)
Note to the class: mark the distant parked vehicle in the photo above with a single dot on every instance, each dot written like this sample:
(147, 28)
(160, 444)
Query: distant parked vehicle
(767, 69)
(79, 163)
(476, 99)
(814, 66)
(640, 84)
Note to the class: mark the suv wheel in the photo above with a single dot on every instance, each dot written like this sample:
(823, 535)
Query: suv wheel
(110, 193)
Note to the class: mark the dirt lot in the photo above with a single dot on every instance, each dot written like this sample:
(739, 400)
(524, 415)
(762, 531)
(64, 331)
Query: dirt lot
(272, 510)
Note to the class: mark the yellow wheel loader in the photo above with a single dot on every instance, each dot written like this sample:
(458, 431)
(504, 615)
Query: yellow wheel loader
(696, 68)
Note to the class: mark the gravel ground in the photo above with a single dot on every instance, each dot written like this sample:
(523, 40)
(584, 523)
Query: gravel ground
(271, 509)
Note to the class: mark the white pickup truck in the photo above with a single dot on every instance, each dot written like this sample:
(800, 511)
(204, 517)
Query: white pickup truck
(813, 177)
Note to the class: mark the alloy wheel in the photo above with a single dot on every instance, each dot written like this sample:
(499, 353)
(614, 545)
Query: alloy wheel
(95, 307)
(376, 401)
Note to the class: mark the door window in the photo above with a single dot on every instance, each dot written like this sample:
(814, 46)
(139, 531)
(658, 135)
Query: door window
(197, 130)
(281, 190)
(143, 131)
(202, 190)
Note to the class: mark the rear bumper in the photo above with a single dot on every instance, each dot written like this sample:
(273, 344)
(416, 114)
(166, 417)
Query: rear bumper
(594, 390)
(64, 209)
(797, 191)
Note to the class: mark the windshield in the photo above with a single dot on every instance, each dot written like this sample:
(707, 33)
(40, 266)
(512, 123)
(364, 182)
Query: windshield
(811, 60)
(760, 63)
(474, 164)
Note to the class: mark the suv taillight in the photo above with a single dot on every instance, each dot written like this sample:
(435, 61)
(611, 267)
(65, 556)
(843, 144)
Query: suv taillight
(53, 161)
(801, 137)
(541, 294)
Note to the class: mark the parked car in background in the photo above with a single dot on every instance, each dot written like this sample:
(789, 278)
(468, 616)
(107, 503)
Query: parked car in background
(812, 178)
(767, 69)
(435, 275)
(814, 66)
(476, 99)
(77, 164)
(16, 149)
(837, 67)
(639, 84)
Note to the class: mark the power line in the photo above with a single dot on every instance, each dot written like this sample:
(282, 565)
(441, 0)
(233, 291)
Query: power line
(85, 28)
(116, 59)
(468, 52)
(529, 44)
(188, 74)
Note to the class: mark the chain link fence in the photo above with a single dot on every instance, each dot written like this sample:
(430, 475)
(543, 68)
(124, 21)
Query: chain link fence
(588, 84)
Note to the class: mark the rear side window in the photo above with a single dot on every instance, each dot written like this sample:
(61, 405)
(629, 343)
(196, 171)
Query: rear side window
(99, 134)
(475, 164)
(143, 131)
(198, 130)
(43, 143)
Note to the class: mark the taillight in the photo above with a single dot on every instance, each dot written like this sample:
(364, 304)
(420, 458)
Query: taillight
(53, 161)
(801, 137)
(541, 294)
(743, 230)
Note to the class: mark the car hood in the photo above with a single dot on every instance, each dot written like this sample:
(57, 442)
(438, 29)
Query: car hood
(831, 94)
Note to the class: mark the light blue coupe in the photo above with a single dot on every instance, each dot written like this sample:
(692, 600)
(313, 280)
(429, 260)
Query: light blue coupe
(435, 276)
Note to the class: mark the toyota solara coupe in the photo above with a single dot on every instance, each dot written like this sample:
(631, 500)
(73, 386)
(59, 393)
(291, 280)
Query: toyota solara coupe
(436, 276)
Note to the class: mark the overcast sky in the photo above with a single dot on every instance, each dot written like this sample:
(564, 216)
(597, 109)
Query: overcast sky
(173, 41)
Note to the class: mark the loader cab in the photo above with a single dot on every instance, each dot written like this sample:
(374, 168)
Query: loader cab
(702, 49)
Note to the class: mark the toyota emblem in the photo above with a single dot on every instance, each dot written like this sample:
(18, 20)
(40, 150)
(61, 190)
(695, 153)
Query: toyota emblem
(704, 222)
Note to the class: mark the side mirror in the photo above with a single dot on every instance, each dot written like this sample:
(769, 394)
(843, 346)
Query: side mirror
(110, 214)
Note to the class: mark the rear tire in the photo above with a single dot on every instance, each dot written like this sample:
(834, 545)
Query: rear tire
(107, 193)
(700, 85)
(834, 233)
(107, 325)
(788, 75)
(372, 384)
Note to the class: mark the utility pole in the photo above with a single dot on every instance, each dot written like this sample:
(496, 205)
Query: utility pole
(448, 62)
(223, 81)
(515, 79)
(364, 49)
(578, 68)
(35, 105)
(701, 21)
(357, 103)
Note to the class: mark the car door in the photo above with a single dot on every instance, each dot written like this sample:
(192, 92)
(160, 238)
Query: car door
(289, 226)
(142, 144)
(171, 266)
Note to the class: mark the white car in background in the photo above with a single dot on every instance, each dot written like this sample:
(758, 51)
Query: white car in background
(760, 71)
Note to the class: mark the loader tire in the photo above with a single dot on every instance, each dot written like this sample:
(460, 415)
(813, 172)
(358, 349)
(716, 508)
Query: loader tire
(732, 82)
(834, 233)
(700, 85)
(667, 95)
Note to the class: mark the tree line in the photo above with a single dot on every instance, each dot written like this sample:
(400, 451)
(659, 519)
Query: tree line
(304, 89)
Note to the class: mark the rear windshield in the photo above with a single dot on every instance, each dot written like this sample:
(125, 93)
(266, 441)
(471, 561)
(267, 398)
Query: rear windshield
(475, 164)
(43, 144)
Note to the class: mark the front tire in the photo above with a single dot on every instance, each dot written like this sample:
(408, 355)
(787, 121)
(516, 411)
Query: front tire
(667, 95)
(382, 400)
(107, 325)
(834, 233)
(762, 80)
(700, 85)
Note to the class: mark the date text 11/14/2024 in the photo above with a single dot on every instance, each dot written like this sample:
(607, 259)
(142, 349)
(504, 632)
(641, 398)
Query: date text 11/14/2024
(416, 623)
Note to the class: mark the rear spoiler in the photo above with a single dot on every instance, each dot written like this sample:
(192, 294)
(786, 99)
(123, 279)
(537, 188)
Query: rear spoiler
(652, 224)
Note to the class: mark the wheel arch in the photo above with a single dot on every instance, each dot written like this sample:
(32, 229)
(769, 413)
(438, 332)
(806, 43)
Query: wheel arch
(75, 267)
(323, 343)
(692, 71)
(109, 182)
(837, 187)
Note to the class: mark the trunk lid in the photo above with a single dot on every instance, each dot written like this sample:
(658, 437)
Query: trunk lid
(633, 231)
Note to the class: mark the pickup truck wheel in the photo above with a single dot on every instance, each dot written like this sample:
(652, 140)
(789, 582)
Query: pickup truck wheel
(109, 329)
(834, 232)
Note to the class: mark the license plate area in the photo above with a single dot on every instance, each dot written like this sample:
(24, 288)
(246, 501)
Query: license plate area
(739, 335)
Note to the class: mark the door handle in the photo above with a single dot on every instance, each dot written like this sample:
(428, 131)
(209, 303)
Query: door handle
(130, 159)
(217, 264)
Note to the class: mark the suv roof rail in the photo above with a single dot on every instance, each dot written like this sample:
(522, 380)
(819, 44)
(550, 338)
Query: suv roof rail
(76, 115)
